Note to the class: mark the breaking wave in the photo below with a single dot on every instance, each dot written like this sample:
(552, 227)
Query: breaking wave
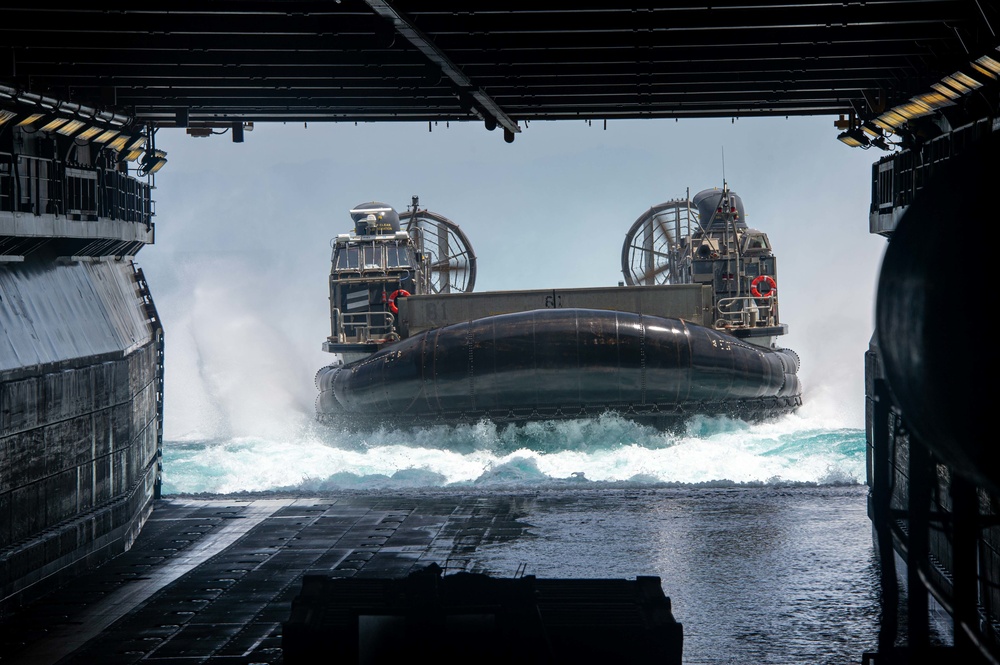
(600, 451)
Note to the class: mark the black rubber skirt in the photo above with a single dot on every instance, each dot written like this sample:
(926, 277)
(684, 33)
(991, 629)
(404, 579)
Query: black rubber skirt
(562, 363)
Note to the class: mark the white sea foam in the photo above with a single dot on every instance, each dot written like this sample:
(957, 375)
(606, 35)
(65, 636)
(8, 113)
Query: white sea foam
(611, 450)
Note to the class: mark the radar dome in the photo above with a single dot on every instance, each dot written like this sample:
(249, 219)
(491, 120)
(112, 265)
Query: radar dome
(708, 201)
(374, 218)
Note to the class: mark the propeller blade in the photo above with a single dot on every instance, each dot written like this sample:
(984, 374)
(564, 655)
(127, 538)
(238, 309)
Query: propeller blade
(657, 272)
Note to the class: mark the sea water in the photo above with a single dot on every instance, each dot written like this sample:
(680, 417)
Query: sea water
(607, 451)
(759, 532)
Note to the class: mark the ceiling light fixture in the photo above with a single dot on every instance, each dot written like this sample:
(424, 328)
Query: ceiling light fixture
(890, 121)
(89, 133)
(966, 80)
(950, 93)
(71, 127)
(51, 123)
(130, 154)
(854, 138)
(135, 140)
(934, 100)
(153, 162)
(988, 66)
(107, 135)
(119, 143)
(871, 128)
(956, 84)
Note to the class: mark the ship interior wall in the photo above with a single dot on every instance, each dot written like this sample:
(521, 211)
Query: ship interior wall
(933, 500)
(80, 405)
(922, 533)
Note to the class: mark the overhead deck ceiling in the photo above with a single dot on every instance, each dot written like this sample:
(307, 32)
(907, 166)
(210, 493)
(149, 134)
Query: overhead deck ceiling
(208, 62)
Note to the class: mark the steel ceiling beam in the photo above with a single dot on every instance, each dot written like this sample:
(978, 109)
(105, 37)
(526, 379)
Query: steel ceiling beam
(433, 46)
(483, 102)
(232, 60)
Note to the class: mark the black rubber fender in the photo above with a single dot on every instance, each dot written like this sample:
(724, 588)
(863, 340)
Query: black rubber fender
(938, 355)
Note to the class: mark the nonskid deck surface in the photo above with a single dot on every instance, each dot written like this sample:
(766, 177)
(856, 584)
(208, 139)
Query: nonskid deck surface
(211, 580)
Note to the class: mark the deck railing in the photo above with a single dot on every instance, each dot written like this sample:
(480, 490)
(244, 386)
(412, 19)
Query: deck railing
(897, 178)
(362, 327)
(40, 186)
(747, 312)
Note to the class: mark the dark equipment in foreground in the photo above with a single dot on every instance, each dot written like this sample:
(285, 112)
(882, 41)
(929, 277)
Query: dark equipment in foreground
(932, 464)
(470, 617)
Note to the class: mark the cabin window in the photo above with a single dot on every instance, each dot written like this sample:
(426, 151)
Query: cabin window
(373, 257)
(346, 258)
(756, 243)
(397, 256)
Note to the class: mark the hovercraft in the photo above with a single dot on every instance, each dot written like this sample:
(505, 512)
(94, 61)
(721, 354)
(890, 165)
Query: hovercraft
(692, 329)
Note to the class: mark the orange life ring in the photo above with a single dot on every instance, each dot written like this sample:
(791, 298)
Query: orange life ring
(770, 284)
(398, 293)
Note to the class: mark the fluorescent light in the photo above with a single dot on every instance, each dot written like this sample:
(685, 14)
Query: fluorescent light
(135, 141)
(157, 166)
(871, 128)
(118, 143)
(885, 125)
(890, 120)
(854, 138)
(906, 112)
(933, 100)
(152, 162)
(986, 62)
(30, 120)
(946, 91)
(966, 80)
(70, 127)
(6, 115)
(53, 124)
(89, 133)
(913, 109)
(956, 84)
(983, 71)
(107, 135)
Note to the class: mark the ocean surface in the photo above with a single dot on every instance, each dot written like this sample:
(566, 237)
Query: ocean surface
(758, 532)
(604, 452)
(601, 452)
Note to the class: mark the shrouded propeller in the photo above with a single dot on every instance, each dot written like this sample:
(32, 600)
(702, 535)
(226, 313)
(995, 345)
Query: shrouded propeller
(652, 252)
(450, 261)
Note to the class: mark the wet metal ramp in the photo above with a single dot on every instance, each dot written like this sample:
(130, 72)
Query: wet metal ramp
(212, 580)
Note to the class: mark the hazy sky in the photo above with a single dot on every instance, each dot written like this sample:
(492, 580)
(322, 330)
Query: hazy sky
(239, 268)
